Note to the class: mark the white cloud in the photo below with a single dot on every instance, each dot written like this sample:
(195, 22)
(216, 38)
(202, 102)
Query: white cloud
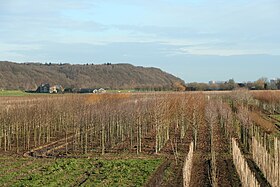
(200, 27)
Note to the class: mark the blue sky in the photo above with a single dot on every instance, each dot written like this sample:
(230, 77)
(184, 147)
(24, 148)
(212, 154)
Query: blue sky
(197, 40)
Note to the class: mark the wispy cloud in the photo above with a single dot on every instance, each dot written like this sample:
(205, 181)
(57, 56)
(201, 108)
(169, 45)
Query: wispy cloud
(139, 30)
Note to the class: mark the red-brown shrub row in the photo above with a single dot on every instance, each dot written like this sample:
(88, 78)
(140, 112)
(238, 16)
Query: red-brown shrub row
(268, 100)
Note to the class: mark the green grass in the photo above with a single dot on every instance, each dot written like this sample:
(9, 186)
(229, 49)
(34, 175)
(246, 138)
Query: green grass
(276, 117)
(12, 169)
(18, 93)
(13, 93)
(74, 172)
(121, 172)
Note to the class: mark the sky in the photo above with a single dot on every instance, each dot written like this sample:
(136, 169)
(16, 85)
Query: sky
(196, 40)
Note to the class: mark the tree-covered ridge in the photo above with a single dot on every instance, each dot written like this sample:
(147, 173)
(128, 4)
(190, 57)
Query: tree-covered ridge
(113, 76)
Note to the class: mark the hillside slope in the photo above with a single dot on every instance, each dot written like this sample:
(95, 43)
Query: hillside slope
(114, 76)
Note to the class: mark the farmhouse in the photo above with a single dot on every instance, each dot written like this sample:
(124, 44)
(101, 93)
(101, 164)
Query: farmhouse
(46, 88)
(56, 89)
(43, 88)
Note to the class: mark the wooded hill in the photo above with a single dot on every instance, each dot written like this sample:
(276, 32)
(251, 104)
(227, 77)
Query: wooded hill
(27, 76)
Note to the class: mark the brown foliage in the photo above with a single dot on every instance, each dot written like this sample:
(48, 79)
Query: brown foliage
(267, 96)
(264, 124)
(114, 76)
(106, 97)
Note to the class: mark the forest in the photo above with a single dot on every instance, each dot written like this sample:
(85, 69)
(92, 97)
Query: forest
(28, 76)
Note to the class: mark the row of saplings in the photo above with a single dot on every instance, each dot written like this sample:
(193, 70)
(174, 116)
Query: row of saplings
(98, 122)
(245, 131)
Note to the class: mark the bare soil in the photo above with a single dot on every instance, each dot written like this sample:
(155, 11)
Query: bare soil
(201, 159)
(226, 172)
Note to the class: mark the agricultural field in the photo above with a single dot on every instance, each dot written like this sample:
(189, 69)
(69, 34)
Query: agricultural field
(141, 139)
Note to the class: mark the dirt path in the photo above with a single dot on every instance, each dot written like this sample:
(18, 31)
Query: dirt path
(226, 172)
(45, 150)
(201, 159)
